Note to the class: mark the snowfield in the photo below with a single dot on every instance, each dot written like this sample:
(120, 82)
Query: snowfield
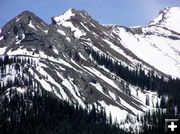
(160, 52)
(170, 17)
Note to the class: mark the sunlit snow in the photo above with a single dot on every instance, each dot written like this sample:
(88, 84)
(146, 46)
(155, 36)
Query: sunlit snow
(169, 18)
(31, 25)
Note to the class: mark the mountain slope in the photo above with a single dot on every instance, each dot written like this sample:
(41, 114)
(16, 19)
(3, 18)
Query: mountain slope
(168, 18)
(156, 46)
(140, 45)
(86, 63)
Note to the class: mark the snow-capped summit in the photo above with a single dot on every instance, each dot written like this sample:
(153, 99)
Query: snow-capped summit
(70, 14)
(66, 16)
(169, 18)
(72, 19)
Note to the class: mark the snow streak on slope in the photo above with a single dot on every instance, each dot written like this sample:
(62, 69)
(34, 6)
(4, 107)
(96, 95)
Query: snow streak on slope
(31, 25)
(101, 76)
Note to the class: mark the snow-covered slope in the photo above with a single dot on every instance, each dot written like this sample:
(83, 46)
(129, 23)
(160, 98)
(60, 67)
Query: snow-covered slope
(168, 18)
(153, 46)
(59, 58)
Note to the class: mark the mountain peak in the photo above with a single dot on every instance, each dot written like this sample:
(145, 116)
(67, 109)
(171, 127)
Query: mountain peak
(27, 12)
(25, 15)
(168, 17)
(66, 16)
(70, 14)
(26, 18)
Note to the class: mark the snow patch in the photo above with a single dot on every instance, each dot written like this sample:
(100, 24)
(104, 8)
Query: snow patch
(101, 76)
(99, 88)
(77, 32)
(117, 114)
(31, 25)
(22, 38)
(82, 56)
(68, 39)
(46, 31)
(2, 50)
(1, 38)
(17, 19)
(72, 88)
(56, 51)
(21, 90)
(66, 16)
(85, 27)
(113, 96)
(61, 32)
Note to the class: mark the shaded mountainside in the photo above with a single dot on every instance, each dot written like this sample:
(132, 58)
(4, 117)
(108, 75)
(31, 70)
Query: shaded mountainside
(123, 70)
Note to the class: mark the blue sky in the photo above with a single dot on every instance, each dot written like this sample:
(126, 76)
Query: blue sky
(122, 12)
